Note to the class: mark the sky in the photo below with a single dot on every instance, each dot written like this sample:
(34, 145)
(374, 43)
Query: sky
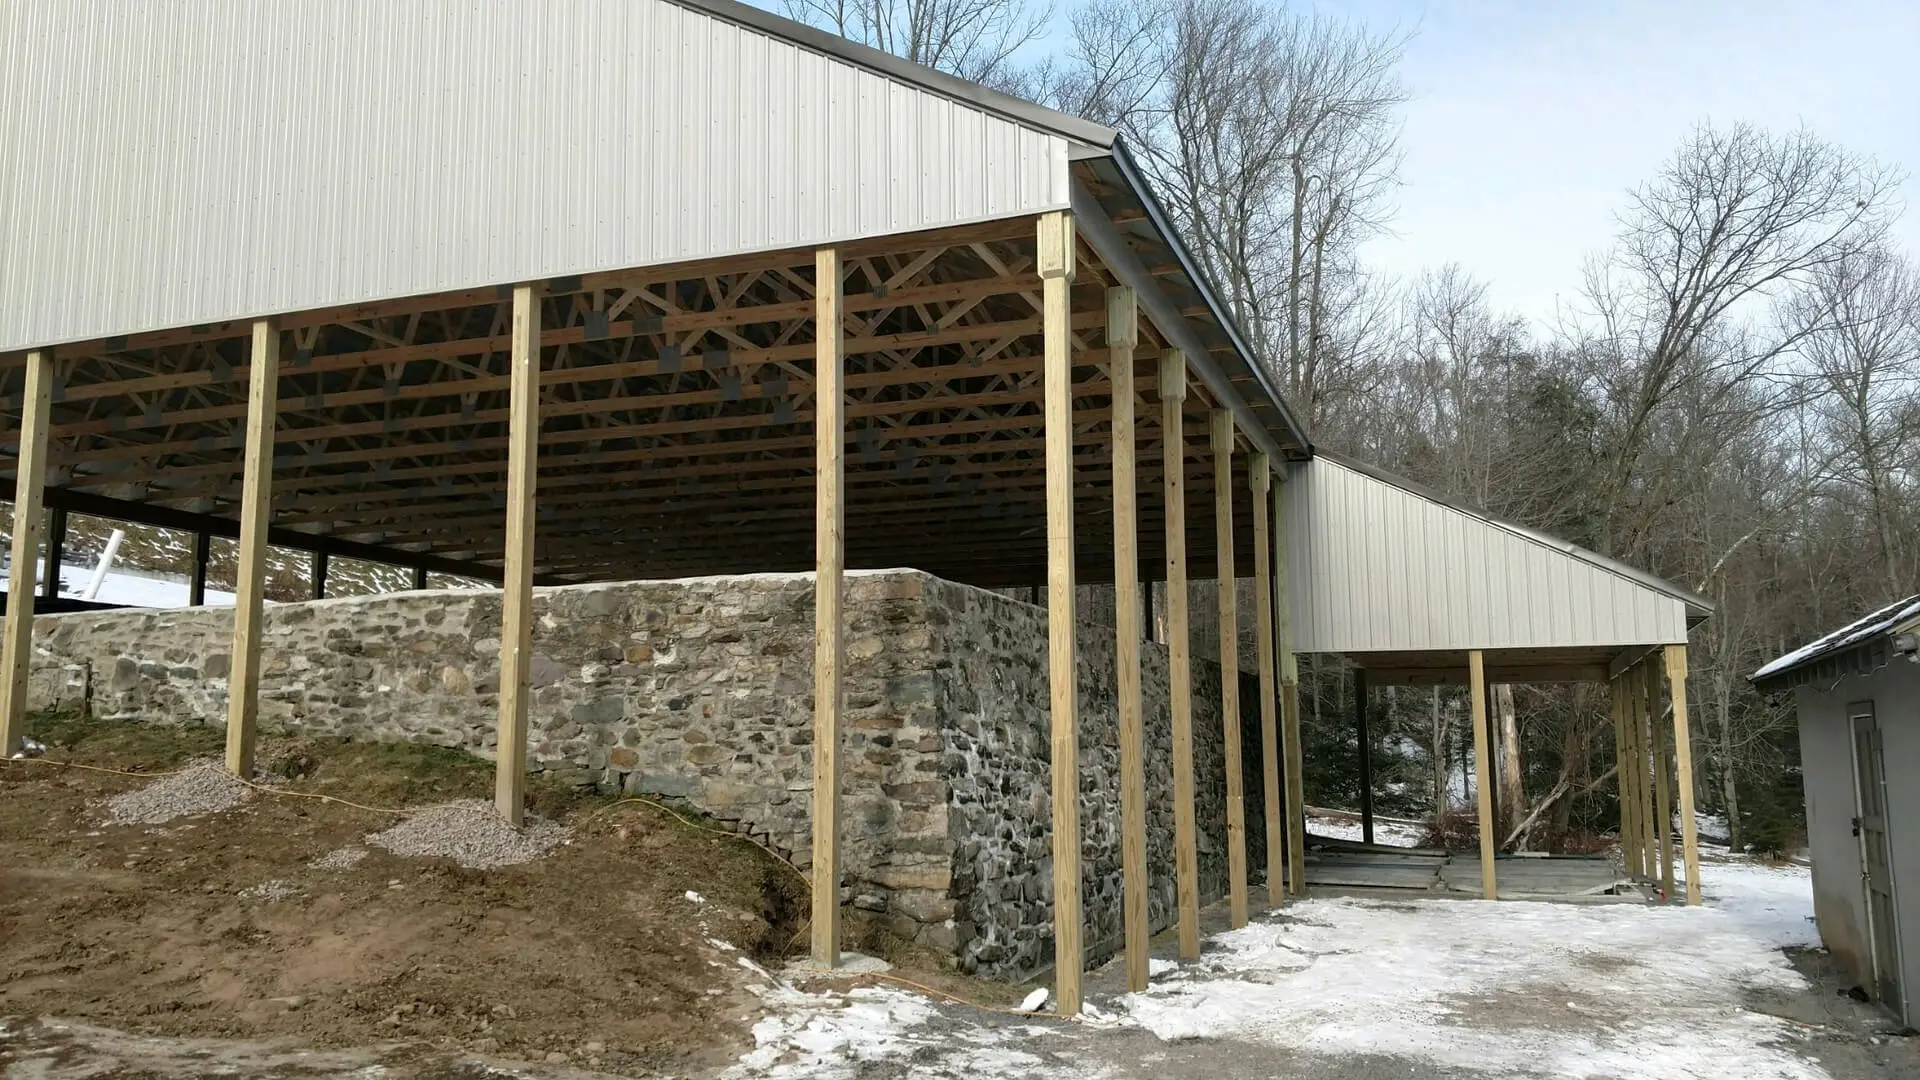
(1529, 122)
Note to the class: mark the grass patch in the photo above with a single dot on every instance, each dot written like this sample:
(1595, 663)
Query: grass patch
(123, 744)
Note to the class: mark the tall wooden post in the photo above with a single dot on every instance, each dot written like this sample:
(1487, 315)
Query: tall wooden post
(1643, 719)
(249, 594)
(1623, 780)
(1683, 767)
(1364, 735)
(202, 555)
(1662, 773)
(419, 577)
(1222, 430)
(829, 594)
(1294, 768)
(1482, 770)
(56, 553)
(1173, 456)
(516, 583)
(320, 565)
(1260, 478)
(1123, 333)
(1056, 279)
(29, 494)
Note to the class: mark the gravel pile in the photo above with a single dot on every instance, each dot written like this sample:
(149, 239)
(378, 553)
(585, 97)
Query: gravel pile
(272, 892)
(345, 858)
(203, 787)
(470, 833)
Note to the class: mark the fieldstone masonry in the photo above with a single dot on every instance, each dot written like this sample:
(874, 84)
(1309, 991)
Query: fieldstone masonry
(700, 690)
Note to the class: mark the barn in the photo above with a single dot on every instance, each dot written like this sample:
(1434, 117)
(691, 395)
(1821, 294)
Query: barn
(654, 291)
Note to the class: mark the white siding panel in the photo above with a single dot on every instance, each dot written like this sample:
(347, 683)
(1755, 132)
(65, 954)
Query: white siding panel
(175, 162)
(1374, 567)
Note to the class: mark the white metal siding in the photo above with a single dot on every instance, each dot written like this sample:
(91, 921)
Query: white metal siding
(1373, 567)
(175, 162)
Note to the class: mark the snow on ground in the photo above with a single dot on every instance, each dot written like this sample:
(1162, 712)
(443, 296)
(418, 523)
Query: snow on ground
(1509, 989)
(1390, 833)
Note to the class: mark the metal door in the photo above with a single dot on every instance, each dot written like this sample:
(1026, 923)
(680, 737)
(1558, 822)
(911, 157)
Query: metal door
(1876, 870)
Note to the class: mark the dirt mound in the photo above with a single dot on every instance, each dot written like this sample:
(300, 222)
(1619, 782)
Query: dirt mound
(591, 952)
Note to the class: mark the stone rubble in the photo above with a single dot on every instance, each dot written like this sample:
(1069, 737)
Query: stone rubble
(203, 787)
(345, 858)
(470, 833)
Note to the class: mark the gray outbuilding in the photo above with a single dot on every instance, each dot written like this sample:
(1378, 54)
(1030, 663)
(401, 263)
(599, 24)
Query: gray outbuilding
(1857, 691)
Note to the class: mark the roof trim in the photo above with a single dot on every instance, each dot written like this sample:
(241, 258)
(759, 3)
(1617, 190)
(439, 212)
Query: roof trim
(1866, 636)
(1005, 106)
(1698, 608)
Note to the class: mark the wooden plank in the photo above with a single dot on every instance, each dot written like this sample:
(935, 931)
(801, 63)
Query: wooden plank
(1123, 333)
(1662, 774)
(1683, 769)
(1186, 854)
(29, 488)
(1229, 667)
(516, 585)
(829, 594)
(243, 681)
(1482, 770)
(1294, 763)
(1056, 257)
(1260, 478)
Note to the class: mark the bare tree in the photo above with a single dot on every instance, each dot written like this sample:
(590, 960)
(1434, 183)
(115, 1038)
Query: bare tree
(1739, 218)
(974, 39)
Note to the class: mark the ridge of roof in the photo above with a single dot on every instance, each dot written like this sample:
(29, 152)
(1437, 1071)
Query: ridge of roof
(1695, 603)
(1004, 105)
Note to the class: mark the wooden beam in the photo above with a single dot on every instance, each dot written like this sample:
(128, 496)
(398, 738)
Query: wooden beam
(1056, 257)
(1229, 667)
(1260, 477)
(516, 586)
(1643, 720)
(29, 485)
(202, 555)
(1662, 774)
(1363, 732)
(1186, 855)
(243, 682)
(829, 592)
(1123, 333)
(319, 575)
(1624, 782)
(56, 552)
(1683, 767)
(1482, 771)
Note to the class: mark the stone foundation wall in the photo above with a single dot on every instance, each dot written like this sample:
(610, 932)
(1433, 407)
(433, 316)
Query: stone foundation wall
(700, 690)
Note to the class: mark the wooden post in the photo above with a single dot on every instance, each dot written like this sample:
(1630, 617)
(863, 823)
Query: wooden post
(419, 577)
(29, 494)
(1173, 453)
(1294, 762)
(1055, 261)
(1260, 477)
(1482, 770)
(1683, 767)
(1623, 778)
(1123, 333)
(829, 594)
(1229, 667)
(319, 575)
(1643, 721)
(1365, 735)
(516, 583)
(249, 595)
(1662, 773)
(56, 553)
(202, 555)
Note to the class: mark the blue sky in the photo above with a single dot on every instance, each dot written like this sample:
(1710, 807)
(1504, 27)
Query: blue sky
(1530, 120)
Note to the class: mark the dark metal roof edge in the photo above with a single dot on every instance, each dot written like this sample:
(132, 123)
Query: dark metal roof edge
(1698, 607)
(884, 63)
(1861, 656)
(1123, 160)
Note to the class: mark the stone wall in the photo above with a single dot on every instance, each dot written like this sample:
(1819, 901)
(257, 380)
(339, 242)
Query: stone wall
(701, 690)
